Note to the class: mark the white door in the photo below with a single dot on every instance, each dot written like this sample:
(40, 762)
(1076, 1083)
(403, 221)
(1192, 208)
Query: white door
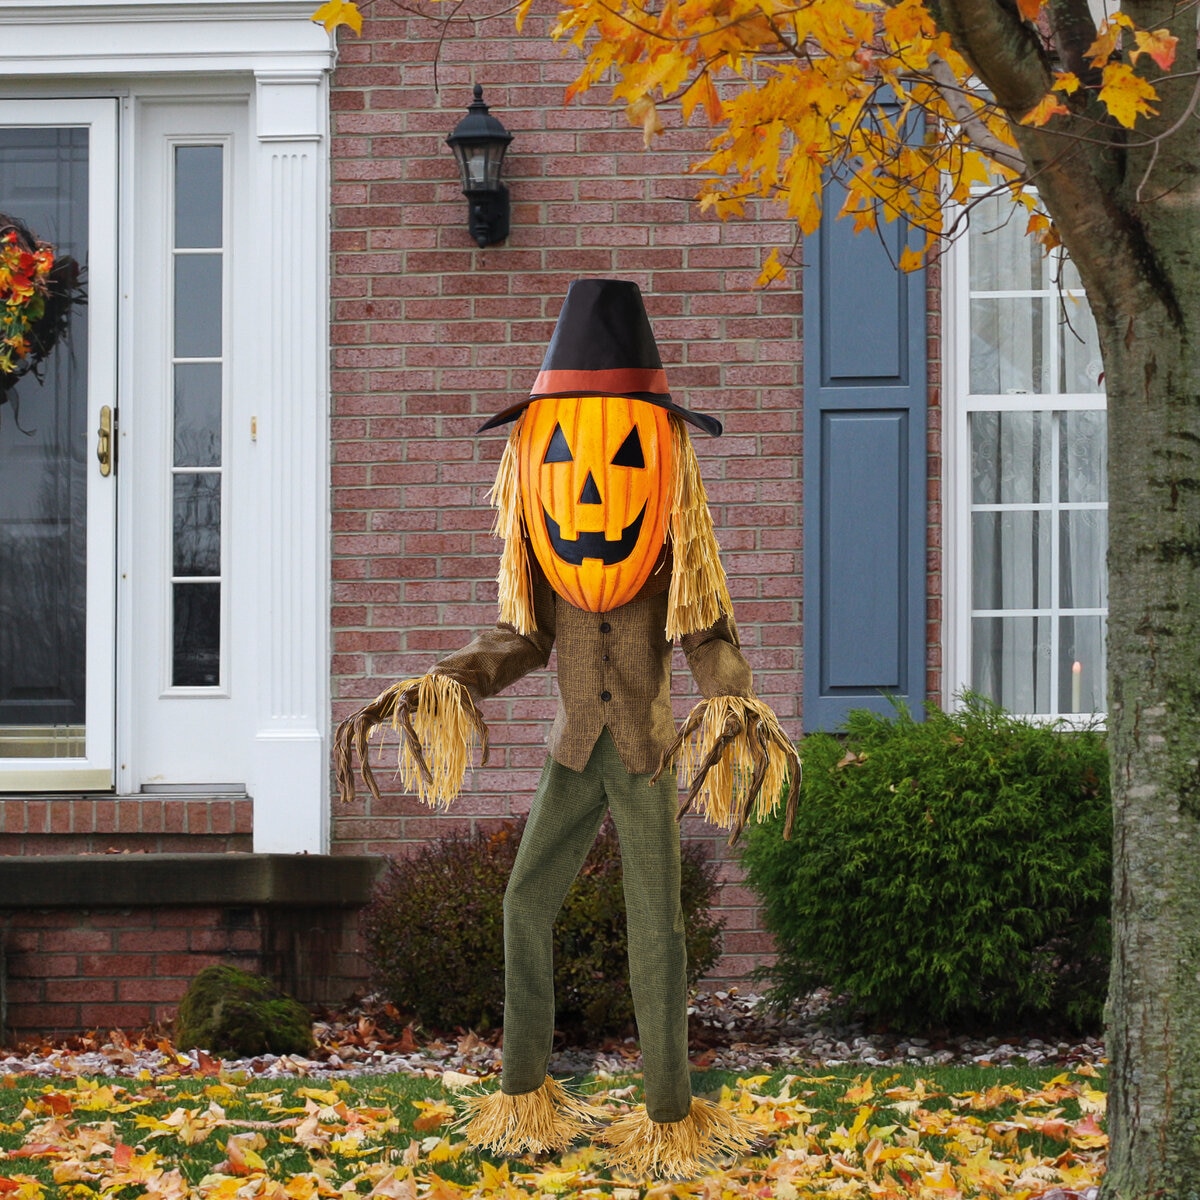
(58, 175)
(190, 444)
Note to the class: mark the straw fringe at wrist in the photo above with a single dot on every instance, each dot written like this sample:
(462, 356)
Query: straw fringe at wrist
(699, 592)
(543, 1121)
(641, 1148)
(439, 728)
(746, 780)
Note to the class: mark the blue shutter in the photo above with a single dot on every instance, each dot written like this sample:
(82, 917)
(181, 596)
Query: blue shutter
(864, 472)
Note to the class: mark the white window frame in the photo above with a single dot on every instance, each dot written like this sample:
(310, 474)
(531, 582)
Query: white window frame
(958, 405)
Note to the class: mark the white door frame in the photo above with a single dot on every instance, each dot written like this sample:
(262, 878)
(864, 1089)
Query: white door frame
(135, 49)
(93, 771)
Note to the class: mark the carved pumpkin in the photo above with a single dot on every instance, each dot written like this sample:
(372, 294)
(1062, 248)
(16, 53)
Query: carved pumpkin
(595, 488)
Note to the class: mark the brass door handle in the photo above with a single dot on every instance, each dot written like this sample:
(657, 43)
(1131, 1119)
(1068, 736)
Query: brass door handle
(104, 447)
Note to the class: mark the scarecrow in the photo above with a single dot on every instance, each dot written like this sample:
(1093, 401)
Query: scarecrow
(610, 555)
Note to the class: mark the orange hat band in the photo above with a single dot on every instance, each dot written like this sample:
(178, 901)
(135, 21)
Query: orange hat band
(620, 381)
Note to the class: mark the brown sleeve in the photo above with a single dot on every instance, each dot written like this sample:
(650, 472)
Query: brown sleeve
(716, 662)
(498, 657)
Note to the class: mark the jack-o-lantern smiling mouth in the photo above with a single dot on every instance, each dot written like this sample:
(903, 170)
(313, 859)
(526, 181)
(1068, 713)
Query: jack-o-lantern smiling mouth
(594, 545)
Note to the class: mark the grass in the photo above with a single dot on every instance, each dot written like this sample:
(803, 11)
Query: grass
(236, 1135)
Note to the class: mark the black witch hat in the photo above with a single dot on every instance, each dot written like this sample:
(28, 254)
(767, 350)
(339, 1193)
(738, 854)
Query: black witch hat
(603, 346)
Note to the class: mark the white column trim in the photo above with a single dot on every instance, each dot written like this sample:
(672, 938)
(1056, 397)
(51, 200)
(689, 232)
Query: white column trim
(291, 795)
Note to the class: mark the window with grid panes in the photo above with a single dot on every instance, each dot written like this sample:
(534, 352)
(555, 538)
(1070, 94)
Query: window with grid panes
(1031, 584)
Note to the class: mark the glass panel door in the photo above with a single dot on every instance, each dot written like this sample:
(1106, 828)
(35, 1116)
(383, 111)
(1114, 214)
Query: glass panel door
(57, 508)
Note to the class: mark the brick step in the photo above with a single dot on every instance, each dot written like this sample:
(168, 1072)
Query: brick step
(160, 823)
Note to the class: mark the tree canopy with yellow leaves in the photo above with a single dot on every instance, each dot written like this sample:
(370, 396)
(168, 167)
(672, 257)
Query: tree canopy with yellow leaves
(1085, 112)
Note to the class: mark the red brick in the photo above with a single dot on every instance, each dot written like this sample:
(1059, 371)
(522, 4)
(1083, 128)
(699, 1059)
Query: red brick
(165, 991)
(116, 966)
(145, 941)
(77, 941)
(114, 1016)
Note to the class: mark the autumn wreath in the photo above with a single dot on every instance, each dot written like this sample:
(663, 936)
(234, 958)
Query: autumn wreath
(38, 288)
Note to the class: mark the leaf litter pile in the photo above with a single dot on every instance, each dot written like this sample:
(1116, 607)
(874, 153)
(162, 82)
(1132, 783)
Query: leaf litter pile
(222, 1134)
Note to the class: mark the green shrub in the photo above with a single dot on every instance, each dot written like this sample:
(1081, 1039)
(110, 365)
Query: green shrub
(435, 932)
(950, 871)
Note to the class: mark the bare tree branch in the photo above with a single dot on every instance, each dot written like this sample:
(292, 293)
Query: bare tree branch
(974, 127)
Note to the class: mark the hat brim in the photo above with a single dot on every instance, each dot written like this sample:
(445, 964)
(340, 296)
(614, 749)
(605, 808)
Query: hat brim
(701, 421)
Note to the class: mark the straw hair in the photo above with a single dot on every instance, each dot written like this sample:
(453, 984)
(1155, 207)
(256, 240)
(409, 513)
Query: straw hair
(543, 1121)
(642, 1148)
(516, 583)
(743, 774)
(699, 593)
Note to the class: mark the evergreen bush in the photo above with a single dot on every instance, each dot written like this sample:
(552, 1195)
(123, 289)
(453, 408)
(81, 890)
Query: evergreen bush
(954, 871)
(434, 932)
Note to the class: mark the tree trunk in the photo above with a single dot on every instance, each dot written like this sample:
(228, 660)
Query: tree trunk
(1152, 364)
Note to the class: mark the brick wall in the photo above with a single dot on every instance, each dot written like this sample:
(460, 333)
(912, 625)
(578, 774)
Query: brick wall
(69, 970)
(431, 335)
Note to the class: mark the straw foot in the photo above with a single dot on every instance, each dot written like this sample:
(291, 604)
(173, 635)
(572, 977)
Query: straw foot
(543, 1121)
(641, 1148)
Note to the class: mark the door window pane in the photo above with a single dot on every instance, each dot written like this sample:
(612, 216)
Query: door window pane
(196, 642)
(197, 489)
(198, 306)
(197, 532)
(198, 414)
(45, 451)
(198, 201)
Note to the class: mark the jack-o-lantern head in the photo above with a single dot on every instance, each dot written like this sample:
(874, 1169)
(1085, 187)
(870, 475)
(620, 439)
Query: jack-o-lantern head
(595, 477)
(599, 469)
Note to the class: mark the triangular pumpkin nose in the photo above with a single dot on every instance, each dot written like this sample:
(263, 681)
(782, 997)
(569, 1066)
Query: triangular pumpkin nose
(590, 493)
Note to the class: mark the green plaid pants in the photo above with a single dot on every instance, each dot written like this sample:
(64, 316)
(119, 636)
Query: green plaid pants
(563, 821)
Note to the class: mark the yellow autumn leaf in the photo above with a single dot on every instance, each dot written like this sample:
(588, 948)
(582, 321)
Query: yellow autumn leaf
(1157, 43)
(644, 112)
(1126, 95)
(521, 13)
(911, 260)
(773, 270)
(333, 13)
(1048, 106)
(434, 1114)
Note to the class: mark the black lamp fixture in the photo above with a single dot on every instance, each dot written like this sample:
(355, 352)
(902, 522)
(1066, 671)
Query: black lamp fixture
(479, 142)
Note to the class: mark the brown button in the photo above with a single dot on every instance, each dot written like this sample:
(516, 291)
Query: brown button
(606, 696)
(605, 627)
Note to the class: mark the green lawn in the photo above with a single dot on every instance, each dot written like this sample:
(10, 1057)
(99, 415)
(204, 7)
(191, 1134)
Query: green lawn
(944, 1132)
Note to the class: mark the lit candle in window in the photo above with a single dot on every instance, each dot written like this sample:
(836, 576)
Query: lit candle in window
(1076, 685)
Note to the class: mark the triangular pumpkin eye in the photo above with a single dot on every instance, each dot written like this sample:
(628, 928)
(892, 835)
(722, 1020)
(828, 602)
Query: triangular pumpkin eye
(630, 453)
(558, 450)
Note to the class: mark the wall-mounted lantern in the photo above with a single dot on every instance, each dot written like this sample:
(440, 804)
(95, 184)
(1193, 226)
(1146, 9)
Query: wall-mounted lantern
(479, 142)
